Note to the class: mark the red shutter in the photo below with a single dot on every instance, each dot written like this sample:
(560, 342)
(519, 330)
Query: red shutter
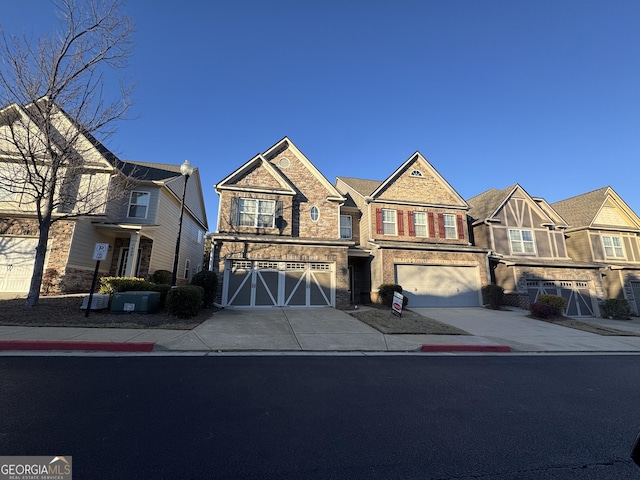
(400, 223)
(379, 221)
(460, 228)
(432, 225)
(410, 224)
(441, 225)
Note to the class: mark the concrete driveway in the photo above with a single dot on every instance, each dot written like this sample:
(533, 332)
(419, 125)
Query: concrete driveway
(513, 328)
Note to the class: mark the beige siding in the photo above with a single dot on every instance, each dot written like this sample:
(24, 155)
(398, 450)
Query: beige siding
(83, 245)
(578, 246)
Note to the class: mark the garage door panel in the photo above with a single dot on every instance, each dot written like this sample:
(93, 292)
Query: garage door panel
(266, 288)
(17, 257)
(439, 286)
(576, 293)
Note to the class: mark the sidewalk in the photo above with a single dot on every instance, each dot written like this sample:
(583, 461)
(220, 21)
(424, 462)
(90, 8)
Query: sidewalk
(328, 330)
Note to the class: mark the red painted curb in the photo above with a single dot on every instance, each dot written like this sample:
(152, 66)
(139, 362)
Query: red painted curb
(465, 348)
(71, 345)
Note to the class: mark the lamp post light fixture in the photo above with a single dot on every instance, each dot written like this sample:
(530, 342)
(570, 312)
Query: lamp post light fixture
(186, 169)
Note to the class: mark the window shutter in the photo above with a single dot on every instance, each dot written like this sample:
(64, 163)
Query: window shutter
(278, 213)
(441, 225)
(233, 213)
(460, 228)
(432, 225)
(400, 223)
(379, 221)
(410, 224)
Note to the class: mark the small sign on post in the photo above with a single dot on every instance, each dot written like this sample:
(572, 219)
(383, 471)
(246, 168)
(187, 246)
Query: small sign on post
(396, 305)
(99, 253)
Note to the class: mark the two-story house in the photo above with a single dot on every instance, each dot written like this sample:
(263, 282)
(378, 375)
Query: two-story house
(528, 254)
(412, 230)
(279, 241)
(604, 230)
(139, 222)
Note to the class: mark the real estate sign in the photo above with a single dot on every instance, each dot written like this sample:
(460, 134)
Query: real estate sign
(396, 305)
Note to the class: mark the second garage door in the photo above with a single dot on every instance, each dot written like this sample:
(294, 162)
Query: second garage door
(439, 286)
(17, 255)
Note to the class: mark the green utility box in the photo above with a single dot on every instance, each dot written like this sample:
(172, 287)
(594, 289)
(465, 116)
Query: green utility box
(135, 302)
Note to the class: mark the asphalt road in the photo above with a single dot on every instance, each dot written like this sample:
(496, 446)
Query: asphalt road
(326, 417)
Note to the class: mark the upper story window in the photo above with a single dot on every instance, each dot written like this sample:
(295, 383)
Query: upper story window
(314, 213)
(420, 224)
(256, 213)
(522, 241)
(139, 204)
(416, 173)
(346, 230)
(613, 246)
(450, 229)
(389, 222)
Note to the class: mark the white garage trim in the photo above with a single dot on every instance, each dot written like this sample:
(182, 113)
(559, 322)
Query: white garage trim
(258, 283)
(440, 285)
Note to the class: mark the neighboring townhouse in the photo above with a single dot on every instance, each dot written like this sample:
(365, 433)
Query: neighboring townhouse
(528, 255)
(140, 226)
(412, 230)
(605, 230)
(279, 239)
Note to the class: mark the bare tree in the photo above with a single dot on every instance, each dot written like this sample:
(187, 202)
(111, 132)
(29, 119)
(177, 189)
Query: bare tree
(55, 106)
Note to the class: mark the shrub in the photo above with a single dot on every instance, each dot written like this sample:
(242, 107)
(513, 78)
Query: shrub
(556, 302)
(542, 310)
(617, 308)
(385, 294)
(111, 285)
(209, 281)
(163, 288)
(162, 277)
(493, 296)
(185, 301)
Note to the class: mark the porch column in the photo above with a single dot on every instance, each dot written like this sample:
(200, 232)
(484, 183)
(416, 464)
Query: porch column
(132, 258)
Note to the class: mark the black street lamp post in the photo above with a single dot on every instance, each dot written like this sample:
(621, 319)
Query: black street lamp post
(186, 170)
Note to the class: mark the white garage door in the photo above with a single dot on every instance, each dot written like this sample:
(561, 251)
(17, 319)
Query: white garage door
(439, 286)
(17, 256)
(278, 284)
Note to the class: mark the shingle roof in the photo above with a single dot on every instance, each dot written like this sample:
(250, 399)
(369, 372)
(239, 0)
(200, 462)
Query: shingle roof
(149, 171)
(362, 186)
(483, 205)
(579, 211)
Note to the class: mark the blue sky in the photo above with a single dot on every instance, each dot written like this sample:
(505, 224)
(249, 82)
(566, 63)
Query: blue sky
(543, 93)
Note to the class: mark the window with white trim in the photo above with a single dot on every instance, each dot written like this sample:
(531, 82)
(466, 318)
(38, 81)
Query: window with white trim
(139, 204)
(420, 224)
(389, 222)
(450, 228)
(314, 213)
(521, 241)
(612, 246)
(256, 213)
(346, 230)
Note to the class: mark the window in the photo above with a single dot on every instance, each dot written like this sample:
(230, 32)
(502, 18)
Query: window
(200, 237)
(315, 213)
(388, 221)
(139, 204)
(613, 247)
(345, 226)
(420, 224)
(187, 269)
(256, 213)
(450, 230)
(521, 241)
(416, 173)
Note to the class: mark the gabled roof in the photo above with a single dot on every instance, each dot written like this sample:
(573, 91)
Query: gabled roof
(583, 210)
(486, 205)
(259, 161)
(363, 187)
(417, 157)
(285, 143)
